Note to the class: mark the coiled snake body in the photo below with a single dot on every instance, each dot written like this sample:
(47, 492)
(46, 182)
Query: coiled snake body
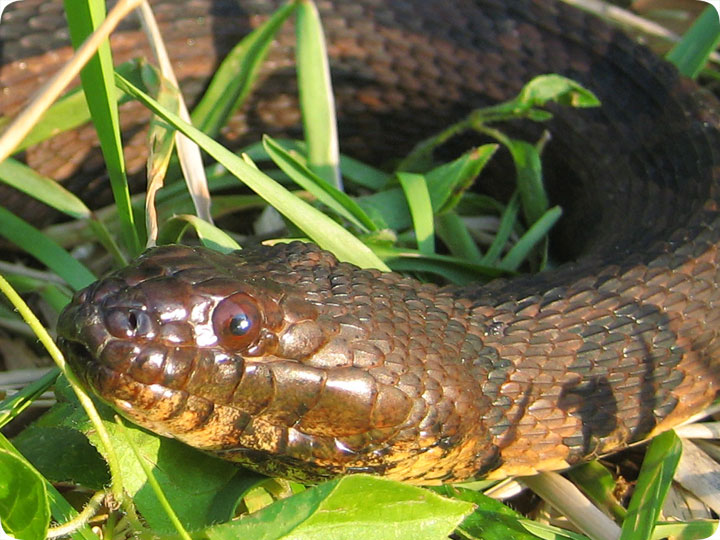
(292, 363)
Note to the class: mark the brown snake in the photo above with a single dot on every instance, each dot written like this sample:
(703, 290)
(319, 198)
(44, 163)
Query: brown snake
(289, 362)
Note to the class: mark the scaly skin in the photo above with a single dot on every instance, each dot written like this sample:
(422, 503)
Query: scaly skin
(415, 382)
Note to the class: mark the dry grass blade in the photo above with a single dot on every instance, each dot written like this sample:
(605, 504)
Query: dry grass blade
(51, 90)
(188, 152)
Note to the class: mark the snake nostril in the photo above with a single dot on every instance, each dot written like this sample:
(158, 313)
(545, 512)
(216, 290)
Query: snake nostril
(129, 323)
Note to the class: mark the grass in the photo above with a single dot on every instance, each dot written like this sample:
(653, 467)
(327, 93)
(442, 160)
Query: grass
(364, 215)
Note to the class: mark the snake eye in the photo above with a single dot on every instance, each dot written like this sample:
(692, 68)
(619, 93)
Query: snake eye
(237, 321)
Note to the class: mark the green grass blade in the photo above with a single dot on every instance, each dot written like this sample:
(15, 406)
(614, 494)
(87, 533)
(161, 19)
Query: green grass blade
(454, 269)
(450, 181)
(43, 189)
(319, 227)
(453, 232)
(538, 232)
(599, 485)
(316, 97)
(529, 179)
(656, 475)
(327, 194)
(236, 75)
(13, 405)
(686, 531)
(209, 234)
(505, 229)
(418, 200)
(690, 54)
(68, 112)
(34, 242)
(354, 171)
(97, 79)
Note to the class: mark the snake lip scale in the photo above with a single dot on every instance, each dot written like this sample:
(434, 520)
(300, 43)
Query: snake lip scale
(295, 364)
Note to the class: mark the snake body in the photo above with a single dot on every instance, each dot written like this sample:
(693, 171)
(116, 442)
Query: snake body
(295, 364)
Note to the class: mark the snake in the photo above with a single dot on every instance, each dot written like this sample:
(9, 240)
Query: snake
(290, 362)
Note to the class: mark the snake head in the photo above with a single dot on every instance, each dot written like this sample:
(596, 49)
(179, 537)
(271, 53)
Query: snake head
(272, 357)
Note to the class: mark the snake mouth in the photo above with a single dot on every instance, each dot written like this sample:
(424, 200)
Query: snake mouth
(77, 355)
(75, 352)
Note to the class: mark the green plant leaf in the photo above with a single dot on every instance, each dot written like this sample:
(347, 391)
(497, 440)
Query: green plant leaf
(691, 53)
(24, 508)
(655, 477)
(352, 507)
(491, 519)
(317, 102)
(202, 489)
(236, 75)
(83, 17)
(48, 252)
(555, 88)
(529, 179)
(320, 228)
(520, 251)
(210, 235)
(418, 200)
(326, 193)
(42, 188)
(599, 485)
(60, 508)
(63, 454)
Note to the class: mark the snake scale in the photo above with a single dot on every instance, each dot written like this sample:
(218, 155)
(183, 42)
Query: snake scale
(295, 364)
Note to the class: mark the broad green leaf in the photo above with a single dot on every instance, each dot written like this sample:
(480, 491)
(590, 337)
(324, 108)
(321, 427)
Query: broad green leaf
(445, 182)
(350, 508)
(63, 454)
(202, 489)
(558, 89)
(60, 508)
(491, 520)
(24, 508)
(449, 181)
(693, 530)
